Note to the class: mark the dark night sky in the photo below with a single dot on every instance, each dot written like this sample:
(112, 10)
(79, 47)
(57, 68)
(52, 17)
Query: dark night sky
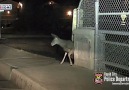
(37, 18)
(65, 2)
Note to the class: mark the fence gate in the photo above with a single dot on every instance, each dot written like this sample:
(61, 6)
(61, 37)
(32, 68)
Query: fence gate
(112, 36)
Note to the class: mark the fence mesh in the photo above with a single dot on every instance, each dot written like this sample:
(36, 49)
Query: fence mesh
(113, 23)
(113, 6)
(87, 13)
(113, 41)
(113, 32)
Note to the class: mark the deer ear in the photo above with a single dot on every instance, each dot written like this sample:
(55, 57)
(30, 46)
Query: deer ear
(53, 35)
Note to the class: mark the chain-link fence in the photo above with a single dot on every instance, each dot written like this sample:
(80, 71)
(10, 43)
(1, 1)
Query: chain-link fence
(112, 36)
(111, 21)
(86, 15)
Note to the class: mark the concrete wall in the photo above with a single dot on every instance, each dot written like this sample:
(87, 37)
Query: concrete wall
(84, 47)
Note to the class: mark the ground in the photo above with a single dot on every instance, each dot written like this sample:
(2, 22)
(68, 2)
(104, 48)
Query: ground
(39, 45)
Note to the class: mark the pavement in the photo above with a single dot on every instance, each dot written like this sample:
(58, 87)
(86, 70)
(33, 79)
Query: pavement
(35, 72)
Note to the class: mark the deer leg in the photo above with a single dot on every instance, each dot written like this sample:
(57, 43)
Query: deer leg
(69, 54)
(64, 58)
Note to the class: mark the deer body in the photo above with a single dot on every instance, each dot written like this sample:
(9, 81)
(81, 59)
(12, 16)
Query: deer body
(67, 46)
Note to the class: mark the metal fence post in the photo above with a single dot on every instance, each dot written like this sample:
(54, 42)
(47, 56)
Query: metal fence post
(96, 34)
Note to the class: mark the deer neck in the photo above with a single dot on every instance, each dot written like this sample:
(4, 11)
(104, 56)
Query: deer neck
(62, 43)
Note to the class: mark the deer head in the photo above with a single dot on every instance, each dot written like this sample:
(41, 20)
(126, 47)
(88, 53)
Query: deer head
(55, 40)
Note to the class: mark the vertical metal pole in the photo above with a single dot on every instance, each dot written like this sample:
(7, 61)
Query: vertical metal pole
(78, 17)
(80, 3)
(96, 34)
(102, 51)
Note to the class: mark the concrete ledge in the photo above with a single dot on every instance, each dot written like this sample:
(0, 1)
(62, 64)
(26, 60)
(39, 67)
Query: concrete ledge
(5, 70)
(25, 82)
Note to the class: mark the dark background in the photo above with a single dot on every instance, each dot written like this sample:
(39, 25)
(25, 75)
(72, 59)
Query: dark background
(38, 17)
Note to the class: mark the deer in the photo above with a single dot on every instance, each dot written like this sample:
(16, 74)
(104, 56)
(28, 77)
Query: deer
(67, 45)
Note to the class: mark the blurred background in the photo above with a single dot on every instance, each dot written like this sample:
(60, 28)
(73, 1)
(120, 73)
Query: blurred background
(39, 17)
